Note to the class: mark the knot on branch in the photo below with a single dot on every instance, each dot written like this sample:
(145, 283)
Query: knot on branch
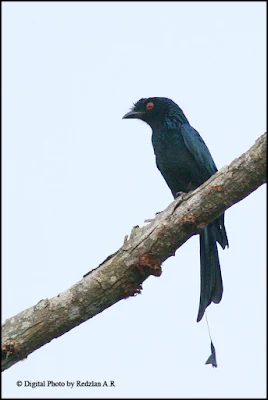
(132, 290)
(189, 222)
(12, 348)
(148, 264)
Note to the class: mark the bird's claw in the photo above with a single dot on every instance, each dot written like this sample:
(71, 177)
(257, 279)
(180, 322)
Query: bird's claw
(178, 194)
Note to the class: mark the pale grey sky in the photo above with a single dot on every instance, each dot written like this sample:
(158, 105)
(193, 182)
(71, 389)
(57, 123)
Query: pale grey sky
(77, 178)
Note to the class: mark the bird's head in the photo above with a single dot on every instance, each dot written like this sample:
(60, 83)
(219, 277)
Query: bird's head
(156, 110)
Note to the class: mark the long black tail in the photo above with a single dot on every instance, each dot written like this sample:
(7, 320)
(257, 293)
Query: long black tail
(210, 272)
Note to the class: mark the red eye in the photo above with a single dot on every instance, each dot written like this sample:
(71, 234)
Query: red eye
(149, 106)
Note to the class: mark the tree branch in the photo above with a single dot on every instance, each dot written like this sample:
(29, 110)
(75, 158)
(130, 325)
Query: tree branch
(122, 273)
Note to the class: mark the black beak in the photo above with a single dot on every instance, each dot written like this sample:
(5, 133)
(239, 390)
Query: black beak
(133, 114)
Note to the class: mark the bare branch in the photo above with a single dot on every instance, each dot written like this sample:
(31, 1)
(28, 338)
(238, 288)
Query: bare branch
(122, 273)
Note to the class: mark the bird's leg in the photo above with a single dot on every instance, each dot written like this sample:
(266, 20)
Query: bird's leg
(182, 196)
(178, 194)
(190, 189)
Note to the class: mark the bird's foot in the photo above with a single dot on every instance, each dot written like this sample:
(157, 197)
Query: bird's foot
(183, 195)
(178, 194)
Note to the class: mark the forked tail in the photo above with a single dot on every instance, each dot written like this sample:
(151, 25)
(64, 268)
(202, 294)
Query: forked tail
(210, 271)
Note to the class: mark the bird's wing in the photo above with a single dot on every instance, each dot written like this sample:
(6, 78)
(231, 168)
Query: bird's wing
(199, 150)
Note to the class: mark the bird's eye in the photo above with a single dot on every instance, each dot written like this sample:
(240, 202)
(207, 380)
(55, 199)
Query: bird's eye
(149, 105)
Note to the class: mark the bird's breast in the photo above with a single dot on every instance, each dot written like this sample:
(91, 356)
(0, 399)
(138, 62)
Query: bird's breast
(168, 145)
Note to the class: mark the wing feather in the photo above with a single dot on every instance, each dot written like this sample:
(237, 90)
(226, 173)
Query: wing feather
(198, 148)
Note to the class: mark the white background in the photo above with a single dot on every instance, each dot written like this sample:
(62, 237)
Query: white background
(77, 178)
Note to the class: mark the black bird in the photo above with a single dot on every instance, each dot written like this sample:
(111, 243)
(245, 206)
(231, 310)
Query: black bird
(185, 162)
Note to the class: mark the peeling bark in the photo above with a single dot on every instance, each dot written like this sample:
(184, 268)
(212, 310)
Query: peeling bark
(121, 274)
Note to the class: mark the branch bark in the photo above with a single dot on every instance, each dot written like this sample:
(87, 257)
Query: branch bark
(121, 274)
